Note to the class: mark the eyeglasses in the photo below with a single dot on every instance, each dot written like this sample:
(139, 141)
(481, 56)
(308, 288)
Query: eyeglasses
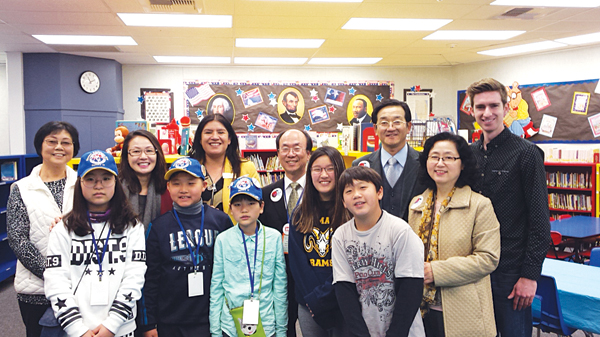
(385, 124)
(54, 143)
(435, 158)
(106, 181)
(296, 149)
(138, 152)
(318, 170)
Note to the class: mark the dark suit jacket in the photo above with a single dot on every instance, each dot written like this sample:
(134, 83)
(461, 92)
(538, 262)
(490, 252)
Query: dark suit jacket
(366, 120)
(286, 118)
(406, 191)
(275, 213)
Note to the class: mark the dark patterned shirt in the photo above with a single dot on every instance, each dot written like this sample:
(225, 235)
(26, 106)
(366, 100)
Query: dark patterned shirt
(512, 175)
(18, 227)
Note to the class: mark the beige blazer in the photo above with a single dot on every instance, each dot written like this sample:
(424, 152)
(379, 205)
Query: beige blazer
(469, 251)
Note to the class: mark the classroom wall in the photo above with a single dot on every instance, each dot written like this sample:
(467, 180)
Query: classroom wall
(4, 147)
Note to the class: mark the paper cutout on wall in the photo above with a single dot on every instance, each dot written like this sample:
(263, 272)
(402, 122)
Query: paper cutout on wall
(517, 119)
(547, 126)
(595, 124)
(540, 99)
(581, 101)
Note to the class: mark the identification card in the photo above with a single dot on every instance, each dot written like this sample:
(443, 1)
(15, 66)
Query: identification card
(227, 175)
(195, 284)
(286, 237)
(251, 308)
(99, 291)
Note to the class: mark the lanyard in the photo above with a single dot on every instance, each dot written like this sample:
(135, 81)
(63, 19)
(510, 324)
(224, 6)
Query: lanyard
(99, 258)
(251, 271)
(195, 257)
(297, 203)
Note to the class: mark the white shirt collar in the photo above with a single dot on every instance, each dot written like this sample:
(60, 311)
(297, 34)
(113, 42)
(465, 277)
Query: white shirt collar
(287, 181)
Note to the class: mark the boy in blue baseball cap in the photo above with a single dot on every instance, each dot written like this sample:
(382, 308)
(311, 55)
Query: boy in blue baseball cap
(249, 271)
(180, 246)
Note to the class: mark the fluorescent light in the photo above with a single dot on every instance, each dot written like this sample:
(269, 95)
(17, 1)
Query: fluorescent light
(521, 49)
(193, 59)
(395, 24)
(337, 61)
(473, 34)
(92, 40)
(176, 20)
(547, 3)
(581, 39)
(323, 0)
(278, 43)
(270, 60)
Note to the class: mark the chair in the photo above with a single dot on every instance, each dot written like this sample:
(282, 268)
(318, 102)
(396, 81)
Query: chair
(555, 252)
(564, 216)
(593, 255)
(551, 319)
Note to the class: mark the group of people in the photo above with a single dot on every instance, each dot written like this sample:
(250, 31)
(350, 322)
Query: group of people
(447, 242)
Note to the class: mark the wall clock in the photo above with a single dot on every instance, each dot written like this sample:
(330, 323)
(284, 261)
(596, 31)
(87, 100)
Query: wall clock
(89, 82)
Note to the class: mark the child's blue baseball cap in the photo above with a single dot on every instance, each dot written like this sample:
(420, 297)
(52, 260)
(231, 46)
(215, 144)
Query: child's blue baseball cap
(245, 185)
(185, 164)
(96, 159)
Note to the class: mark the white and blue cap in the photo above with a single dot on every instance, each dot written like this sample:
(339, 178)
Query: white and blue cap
(245, 185)
(96, 159)
(188, 165)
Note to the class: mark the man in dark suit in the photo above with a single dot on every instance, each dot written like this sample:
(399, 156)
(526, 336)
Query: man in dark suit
(395, 161)
(290, 102)
(359, 110)
(282, 197)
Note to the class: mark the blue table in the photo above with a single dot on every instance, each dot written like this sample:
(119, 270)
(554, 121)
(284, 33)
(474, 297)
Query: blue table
(577, 227)
(578, 291)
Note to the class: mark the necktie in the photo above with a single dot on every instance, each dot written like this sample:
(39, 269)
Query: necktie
(392, 172)
(293, 198)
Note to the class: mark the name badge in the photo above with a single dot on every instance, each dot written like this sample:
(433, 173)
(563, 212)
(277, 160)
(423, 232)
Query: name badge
(251, 308)
(195, 284)
(227, 175)
(286, 238)
(98, 291)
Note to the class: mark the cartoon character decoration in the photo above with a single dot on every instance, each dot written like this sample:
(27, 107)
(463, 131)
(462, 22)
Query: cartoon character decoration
(517, 119)
(120, 133)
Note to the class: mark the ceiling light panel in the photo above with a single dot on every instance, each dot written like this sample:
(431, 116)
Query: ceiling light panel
(90, 40)
(193, 59)
(548, 3)
(342, 61)
(475, 35)
(278, 43)
(318, 0)
(522, 49)
(270, 60)
(176, 20)
(581, 39)
(395, 24)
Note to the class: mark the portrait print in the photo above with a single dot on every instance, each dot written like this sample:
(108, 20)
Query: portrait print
(221, 104)
(359, 110)
(290, 105)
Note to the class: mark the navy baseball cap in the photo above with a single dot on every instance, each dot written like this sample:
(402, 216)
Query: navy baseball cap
(245, 185)
(96, 159)
(185, 164)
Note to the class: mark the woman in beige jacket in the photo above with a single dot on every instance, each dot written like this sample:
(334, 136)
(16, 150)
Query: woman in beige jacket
(462, 241)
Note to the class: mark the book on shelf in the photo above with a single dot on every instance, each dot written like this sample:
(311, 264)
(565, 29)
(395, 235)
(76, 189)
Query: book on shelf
(269, 178)
(570, 202)
(558, 155)
(8, 171)
(568, 179)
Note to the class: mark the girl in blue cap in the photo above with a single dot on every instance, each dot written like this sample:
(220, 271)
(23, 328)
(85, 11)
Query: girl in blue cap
(96, 255)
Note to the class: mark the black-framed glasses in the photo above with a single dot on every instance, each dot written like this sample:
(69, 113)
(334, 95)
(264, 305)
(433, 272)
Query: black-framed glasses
(138, 152)
(445, 159)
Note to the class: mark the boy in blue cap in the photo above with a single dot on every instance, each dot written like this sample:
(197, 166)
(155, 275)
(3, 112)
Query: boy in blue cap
(249, 270)
(180, 245)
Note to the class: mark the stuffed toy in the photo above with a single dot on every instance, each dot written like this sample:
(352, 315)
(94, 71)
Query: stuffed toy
(120, 133)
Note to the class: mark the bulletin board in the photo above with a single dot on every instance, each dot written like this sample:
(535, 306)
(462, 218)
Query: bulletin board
(560, 111)
(263, 107)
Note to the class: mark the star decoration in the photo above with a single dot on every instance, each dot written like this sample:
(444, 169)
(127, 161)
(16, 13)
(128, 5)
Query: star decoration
(273, 102)
(128, 297)
(431, 114)
(88, 272)
(340, 126)
(307, 128)
(250, 127)
(315, 99)
(238, 92)
(199, 113)
(379, 97)
(245, 118)
(313, 92)
(140, 99)
(331, 109)
(111, 271)
(271, 95)
(61, 303)
(432, 94)
(418, 88)
(352, 91)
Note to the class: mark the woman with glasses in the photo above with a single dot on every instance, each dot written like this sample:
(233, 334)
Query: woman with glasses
(216, 147)
(461, 236)
(319, 214)
(142, 173)
(33, 204)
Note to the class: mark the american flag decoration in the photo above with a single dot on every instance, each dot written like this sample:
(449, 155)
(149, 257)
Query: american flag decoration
(196, 95)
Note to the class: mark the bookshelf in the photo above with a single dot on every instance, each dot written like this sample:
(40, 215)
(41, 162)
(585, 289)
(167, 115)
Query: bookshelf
(24, 164)
(572, 188)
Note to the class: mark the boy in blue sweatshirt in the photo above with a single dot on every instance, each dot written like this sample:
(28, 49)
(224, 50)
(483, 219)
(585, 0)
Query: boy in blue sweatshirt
(249, 269)
(179, 248)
